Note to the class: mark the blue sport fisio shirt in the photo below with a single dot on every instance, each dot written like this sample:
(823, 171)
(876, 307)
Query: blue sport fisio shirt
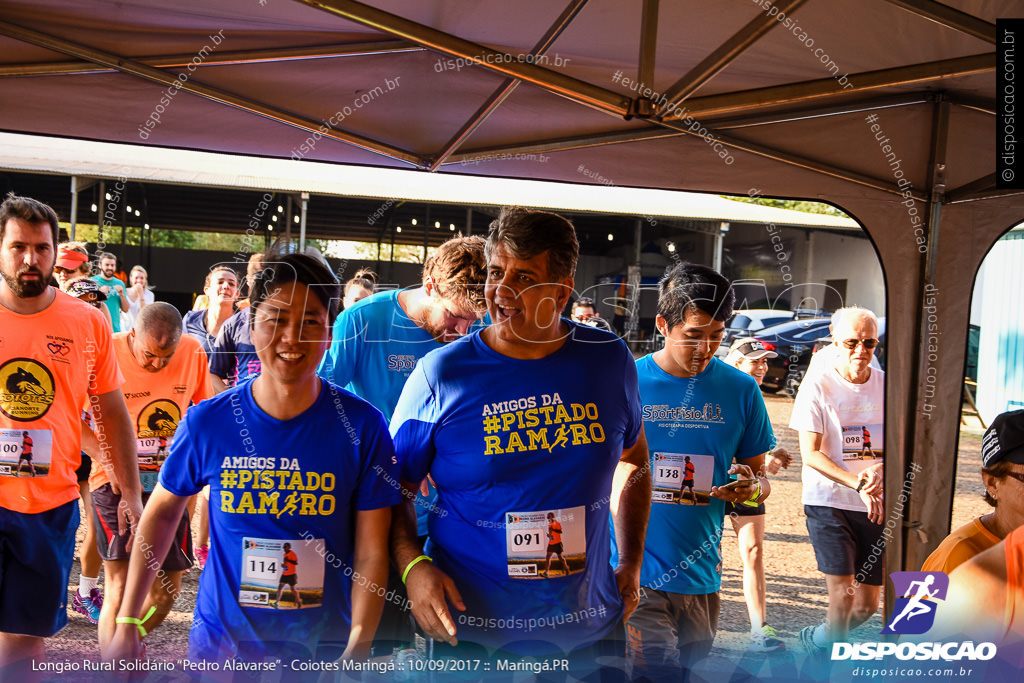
(374, 348)
(515, 446)
(695, 426)
(233, 355)
(298, 482)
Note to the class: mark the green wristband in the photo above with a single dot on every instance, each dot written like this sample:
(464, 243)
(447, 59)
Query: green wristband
(412, 564)
(752, 501)
(138, 622)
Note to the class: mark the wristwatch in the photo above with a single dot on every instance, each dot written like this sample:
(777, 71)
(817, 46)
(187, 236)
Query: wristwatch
(861, 484)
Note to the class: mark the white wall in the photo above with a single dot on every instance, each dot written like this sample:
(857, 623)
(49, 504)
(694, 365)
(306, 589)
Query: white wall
(837, 257)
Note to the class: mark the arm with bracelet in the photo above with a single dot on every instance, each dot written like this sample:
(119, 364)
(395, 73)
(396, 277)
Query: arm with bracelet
(158, 525)
(753, 494)
(429, 588)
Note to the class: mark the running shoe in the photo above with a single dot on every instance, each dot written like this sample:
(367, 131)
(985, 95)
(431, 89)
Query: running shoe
(807, 640)
(89, 606)
(765, 640)
(202, 552)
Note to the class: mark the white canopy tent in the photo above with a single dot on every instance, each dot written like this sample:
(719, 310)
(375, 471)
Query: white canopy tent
(885, 108)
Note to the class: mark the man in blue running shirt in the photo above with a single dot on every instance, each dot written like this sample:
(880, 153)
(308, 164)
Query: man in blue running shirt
(518, 431)
(699, 415)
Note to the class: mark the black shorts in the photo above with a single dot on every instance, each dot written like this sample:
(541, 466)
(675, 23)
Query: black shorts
(112, 546)
(846, 543)
(687, 484)
(742, 510)
(288, 580)
(83, 470)
(555, 548)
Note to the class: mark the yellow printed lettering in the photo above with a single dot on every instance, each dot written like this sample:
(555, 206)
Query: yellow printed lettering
(561, 414)
(227, 501)
(326, 505)
(538, 436)
(492, 445)
(306, 506)
(327, 477)
(268, 502)
(596, 432)
(245, 505)
(506, 421)
(591, 411)
(578, 412)
(579, 433)
(531, 418)
(514, 441)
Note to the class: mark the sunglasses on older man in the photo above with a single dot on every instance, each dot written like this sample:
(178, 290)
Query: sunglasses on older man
(852, 343)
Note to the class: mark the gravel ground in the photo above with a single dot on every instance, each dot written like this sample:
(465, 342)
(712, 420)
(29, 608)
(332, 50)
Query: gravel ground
(796, 591)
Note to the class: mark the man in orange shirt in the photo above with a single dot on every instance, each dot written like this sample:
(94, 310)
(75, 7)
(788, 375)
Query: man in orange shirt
(55, 356)
(289, 577)
(165, 372)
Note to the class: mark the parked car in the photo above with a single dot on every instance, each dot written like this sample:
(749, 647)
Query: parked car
(746, 322)
(793, 341)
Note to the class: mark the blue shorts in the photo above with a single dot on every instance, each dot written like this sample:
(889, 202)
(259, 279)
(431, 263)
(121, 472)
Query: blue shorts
(36, 554)
(846, 543)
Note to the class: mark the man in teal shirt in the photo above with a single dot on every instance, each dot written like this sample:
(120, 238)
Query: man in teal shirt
(112, 287)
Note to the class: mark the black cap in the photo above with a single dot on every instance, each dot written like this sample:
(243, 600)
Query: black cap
(1004, 440)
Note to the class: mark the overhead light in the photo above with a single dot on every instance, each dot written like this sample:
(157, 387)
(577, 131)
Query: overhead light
(437, 224)
(280, 209)
(270, 228)
(414, 221)
(452, 227)
(671, 247)
(128, 209)
(108, 196)
(295, 219)
(273, 218)
(137, 212)
(145, 226)
(399, 228)
(611, 237)
(94, 209)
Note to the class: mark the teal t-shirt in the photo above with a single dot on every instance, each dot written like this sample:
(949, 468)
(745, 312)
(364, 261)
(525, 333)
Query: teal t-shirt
(695, 426)
(113, 301)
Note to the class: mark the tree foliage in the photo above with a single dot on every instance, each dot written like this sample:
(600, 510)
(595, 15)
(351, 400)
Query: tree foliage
(792, 204)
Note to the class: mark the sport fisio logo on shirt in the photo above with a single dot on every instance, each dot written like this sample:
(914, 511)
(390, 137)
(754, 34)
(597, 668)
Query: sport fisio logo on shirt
(539, 422)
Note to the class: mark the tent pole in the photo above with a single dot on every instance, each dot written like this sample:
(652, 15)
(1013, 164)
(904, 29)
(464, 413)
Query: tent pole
(288, 221)
(719, 245)
(302, 221)
(286, 54)
(947, 16)
(932, 482)
(74, 207)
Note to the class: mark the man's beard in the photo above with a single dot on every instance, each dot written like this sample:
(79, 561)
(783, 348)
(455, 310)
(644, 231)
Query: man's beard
(26, 289)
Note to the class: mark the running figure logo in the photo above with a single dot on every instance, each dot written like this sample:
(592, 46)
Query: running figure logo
(917, 595)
